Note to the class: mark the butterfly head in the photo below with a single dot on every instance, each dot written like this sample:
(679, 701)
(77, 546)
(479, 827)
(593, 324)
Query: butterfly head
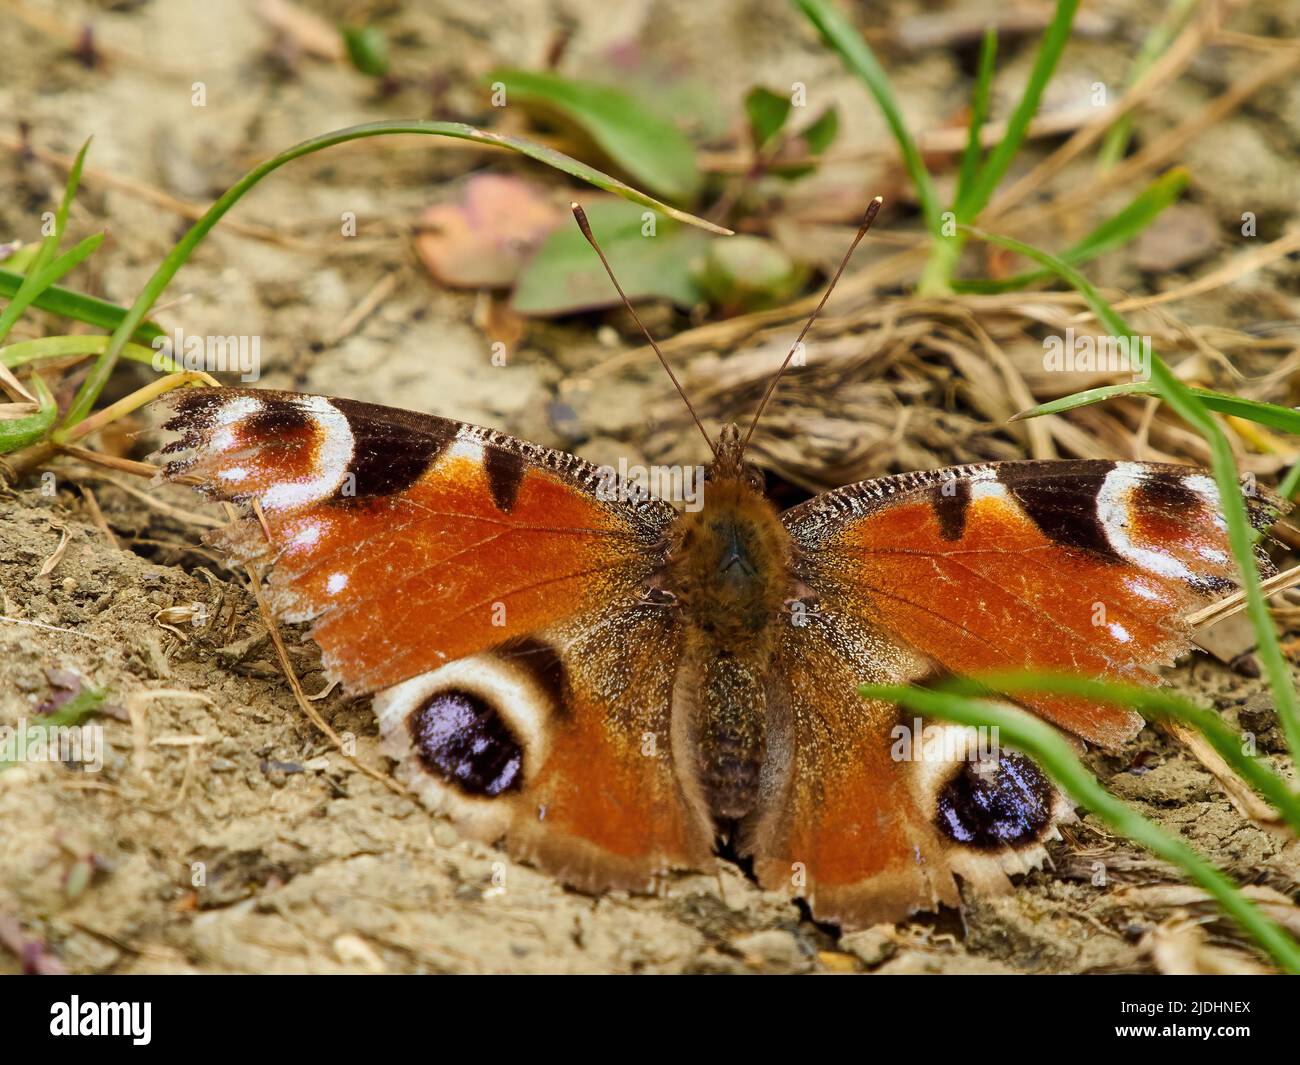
(729, 461)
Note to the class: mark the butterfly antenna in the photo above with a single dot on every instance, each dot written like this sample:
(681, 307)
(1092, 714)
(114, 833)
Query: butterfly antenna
(585, 226)
(873, 208)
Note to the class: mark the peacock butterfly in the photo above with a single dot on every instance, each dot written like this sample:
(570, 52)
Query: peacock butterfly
(610, 684)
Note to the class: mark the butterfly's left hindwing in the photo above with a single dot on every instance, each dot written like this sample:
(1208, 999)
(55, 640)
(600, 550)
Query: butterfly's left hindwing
(492, 593)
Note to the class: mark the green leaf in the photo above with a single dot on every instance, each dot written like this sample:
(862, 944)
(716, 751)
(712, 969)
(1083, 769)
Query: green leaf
(566, 276)
(767, 111)
(748, 273)
(367, 49)
(77, 306)
(811, 141)
(1116, 230)
(1285, 419)
(857, 55)
(19, 432)
(649, 148)
(821, 134)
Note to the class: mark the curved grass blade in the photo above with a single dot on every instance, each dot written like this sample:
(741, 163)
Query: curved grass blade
(1051, 751)
(80, 307)
(19, 432)
(61, 347)
(1241, 536)
(1120, 228)
(176, 258)
(1286, 419)
(841, 35)
(1152, 702)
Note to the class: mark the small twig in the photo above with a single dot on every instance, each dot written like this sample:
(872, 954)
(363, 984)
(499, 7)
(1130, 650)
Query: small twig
(97, 516)
(1236, 602)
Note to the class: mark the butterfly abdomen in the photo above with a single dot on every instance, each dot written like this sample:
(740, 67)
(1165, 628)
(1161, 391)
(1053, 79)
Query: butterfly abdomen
(731, 736)
(731, 572)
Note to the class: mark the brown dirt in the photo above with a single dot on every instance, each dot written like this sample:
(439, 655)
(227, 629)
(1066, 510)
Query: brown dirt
(226, 834)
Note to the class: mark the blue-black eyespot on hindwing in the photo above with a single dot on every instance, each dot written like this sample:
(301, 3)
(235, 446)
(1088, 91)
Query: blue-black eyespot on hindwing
(462, 739)
(995, 803)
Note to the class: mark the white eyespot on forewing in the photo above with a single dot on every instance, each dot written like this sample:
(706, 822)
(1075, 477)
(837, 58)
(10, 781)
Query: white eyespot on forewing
(467, 736)
(1114, 503)
(334, 449)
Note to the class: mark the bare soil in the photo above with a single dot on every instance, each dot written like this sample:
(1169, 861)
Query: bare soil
(225, 833)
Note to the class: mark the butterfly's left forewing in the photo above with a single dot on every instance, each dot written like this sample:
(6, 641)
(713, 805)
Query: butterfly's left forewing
(494, 594)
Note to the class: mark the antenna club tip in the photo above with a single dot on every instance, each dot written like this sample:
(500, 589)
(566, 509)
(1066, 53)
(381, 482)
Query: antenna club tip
(877, 199)
(574, 205)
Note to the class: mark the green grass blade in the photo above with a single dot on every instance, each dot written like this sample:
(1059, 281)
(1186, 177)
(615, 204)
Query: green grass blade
(979, 113)
(28, 351)
(1285, 419)
(176, 258)
(1161, 36)
(1116, 230)
(841, 35)
(42, 277)
(995, 166)
(1135, 217)
(32, 281)
(68, 261)
(78, 306)
(19, 432)
(1290, 483)
(1051, 751)
(1241, 536)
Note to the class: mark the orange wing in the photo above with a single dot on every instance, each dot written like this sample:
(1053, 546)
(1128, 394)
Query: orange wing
(871, 814)
(1085, 566)
(494, 592)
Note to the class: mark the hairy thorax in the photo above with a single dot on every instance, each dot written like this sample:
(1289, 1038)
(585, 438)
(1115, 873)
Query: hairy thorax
(730, 567)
